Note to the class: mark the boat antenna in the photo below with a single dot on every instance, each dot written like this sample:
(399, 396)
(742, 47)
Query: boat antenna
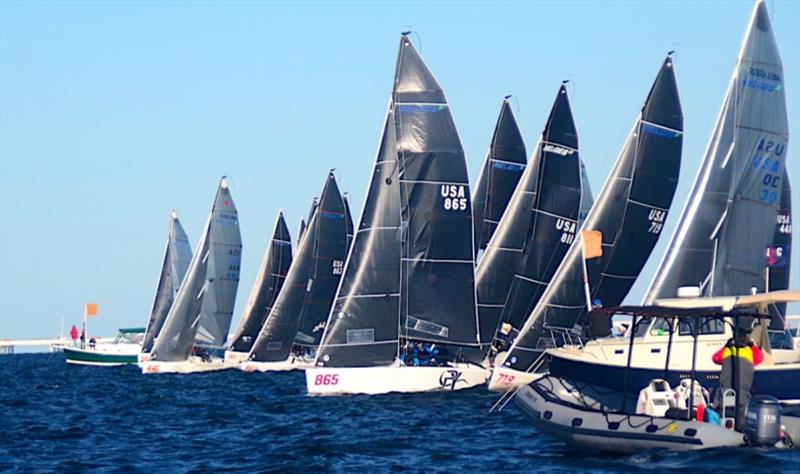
(410, 31)
(516, 101)
(564, 82)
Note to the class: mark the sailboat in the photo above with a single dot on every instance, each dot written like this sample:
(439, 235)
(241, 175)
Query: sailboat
(408, 285)
(268, 284)
(629, 213)
(177, 257)
(737, 214)
(504, 165)
(536, 230)
(201, 314)
(293, 329)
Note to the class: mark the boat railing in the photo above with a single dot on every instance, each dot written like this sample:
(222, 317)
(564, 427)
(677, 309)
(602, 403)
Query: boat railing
(565, 337)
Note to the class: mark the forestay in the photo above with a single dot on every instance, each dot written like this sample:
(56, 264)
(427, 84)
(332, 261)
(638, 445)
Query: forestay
(269, 281)
(499, 176)
(305, 300)
(177, 257)
(729, 219)
(630, 214)
(204, 304)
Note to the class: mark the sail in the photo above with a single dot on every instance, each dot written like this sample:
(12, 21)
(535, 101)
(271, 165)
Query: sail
(555, 213)
(544, 206)
(348, 220)
(305, 301)
(301, 230)
(173, 269)
(438, 263)
(779, 257)
(587, 199)
(729, 219)
(630, 214)
(499, 176)
(362, 329)
(268, 284)
(204, 304)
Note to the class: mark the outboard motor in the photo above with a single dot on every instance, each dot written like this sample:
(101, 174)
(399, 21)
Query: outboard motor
(763, 424)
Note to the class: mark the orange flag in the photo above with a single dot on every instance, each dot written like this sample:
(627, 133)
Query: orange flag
(91, 309)
(592, 244)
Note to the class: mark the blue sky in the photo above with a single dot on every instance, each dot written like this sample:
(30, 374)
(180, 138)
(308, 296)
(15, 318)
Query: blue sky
(113, 113)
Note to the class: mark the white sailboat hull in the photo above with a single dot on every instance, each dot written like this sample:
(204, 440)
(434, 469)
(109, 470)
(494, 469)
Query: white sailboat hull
(282, 366)
(189, 366)
(376, 380)
(233, 357)
(504, 379)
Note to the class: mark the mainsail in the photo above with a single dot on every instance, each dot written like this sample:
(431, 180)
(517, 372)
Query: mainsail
(204, 304)
(537, 228)
(301, 230)
(587, 200)
(499, 176)
(306, 298)
(729, 219)
(348, 216)
(176, 261)
(410, 274)
(630, 214)
(268, 284)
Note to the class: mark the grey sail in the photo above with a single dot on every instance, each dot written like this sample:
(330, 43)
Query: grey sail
(410, 274)
(499, 176)
(348, 216)
(203, 307)
(307, 295)
(438, 264)
(630, 214)
(176, 261)
(729, 219)
(555, 213)
(527, 241)
(779, 257)
(268, 284)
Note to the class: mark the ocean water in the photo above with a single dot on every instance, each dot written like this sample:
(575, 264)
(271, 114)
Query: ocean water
(55, 417)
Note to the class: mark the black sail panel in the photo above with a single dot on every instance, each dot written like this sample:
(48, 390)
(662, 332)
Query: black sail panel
(177, 258)
(555, 213)
(301, 230)
(437, 283)
(501, 172)
(307, 295)
(268, 284)
(779, 257)
(362, 329)
(630, 213)
(348, 220)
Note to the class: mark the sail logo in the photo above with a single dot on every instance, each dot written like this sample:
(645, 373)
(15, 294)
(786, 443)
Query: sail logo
(656, 219)
(567, 229)
(455, 197)
(558, 150)
(659, 131)
(777, 256)
(449, 378)
(757, 78)
(338, 266)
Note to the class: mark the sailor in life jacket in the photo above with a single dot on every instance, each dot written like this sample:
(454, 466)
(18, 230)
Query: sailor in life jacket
(738, 353)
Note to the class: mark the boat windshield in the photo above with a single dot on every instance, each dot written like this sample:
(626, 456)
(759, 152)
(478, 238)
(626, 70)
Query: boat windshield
(707, 326)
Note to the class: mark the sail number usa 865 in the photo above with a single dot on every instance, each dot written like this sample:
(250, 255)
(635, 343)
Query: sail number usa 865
(455, 197)
(326, 379)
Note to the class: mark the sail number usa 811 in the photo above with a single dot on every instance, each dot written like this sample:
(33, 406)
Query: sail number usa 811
(455, 197)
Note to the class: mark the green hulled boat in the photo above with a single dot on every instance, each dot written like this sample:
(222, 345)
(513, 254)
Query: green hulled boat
(123, 351)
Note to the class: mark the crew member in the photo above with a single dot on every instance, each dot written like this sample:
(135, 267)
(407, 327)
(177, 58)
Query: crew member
(738, 353)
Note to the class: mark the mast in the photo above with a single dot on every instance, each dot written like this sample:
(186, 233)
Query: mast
(504, 165)
(267, 286)
(177, 257)
(729, 219)
(629, 213)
